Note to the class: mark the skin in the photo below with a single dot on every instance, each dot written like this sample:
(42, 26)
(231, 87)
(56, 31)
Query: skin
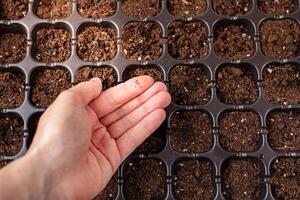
(83, 137)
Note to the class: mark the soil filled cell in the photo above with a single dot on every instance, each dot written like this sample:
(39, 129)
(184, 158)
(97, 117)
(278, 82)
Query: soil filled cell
(188, 40)
(54, 9)
(97, 44)
(232, 7)
(145, 179)
(141, 8)
(275, 7)
(280, 39)
(187, 7)
(13, 9)
(193, 180)
(153, 71)
(97, 9)
(110, 192)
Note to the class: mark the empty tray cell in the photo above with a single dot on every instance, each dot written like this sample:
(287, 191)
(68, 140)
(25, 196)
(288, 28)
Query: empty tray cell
(189, 84)
(11, 134)
(282, 83)
(12, 87)
(97, 9)
(242, 179)
(232, 7)
(54, 9)
(280, 38)
(110, 192)
(188, 40)
(234, 39)
(139, 70)
(33, 123)
(191, 131)
(239, 131)
(13, 9)
(145, 179)
(277, 7)
(51, 43)
(187, 8)
(285, 176)
(141, 8)
(47, 83)
(284, 130)
(193, 180)
(236, 83)
(107, 74)
(142, 41)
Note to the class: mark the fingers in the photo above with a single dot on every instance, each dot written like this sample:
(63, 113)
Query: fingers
(133, 104)
(119, 95)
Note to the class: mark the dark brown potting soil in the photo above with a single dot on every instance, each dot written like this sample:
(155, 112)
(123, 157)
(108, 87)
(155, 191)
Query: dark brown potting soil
(97, 44)
(110, 192)
(145, 179)
(52, 45)
(232, 7)
(54, 9)
(241, 179)
(276, 7)
(189, 85)
(284, 130)
(285, 176)
(97, 9)
(282, 84)
(280, 38)
(233, 42)
(239, 131)
(193, 180)
(13, 9)
(153, 71)
(141, 8)
(188, 40)
(107, 75)
(11, 135)
(236, 85)
(12, 48)
(3, 163)
(142, 41)
(191, 132)
(47, 84)
(12, 89)
(187, 7)
(33, 123)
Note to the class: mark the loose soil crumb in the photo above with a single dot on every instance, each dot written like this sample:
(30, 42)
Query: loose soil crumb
(141, 8)
(12, 48)
(280, 38)
(233, 42)
(142, 41)
(187, 8)
(52, 45)
(284, 130)
(188, 40)
(191, 132)
(54, 9)
(282, 84)
(48, 84)
(13, 9)
(110, 192)
(193, 180)
(275, 7)
(236, 85)
(153, 71)
(97, 9)
(239, 131)
(155, 143)
(232, 7)
(107, 75)
(11, 135)
(145, 179)
(12, 89)
(285, 176)
(241, 179)
(97, 44)
(189, 85)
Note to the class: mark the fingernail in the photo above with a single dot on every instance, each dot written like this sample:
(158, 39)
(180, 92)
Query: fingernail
(96, 80)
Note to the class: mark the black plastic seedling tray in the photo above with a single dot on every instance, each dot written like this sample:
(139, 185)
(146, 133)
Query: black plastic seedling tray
(217, 155)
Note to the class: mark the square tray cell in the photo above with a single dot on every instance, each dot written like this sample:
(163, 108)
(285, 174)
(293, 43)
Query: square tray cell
(193, 180)
(232, 7)
(187, 8)
(97, 9)
(54, 9)
(282, 83)
(141, 8)
(285, 176)
(189, 84)
(13, 9)
(139, 70)
(110, 192)
(145, 179)
(280, 38)
(142, 41)
(284, 130)
(191, 131)
(188, 40)
(47, 83)
(276, 7)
